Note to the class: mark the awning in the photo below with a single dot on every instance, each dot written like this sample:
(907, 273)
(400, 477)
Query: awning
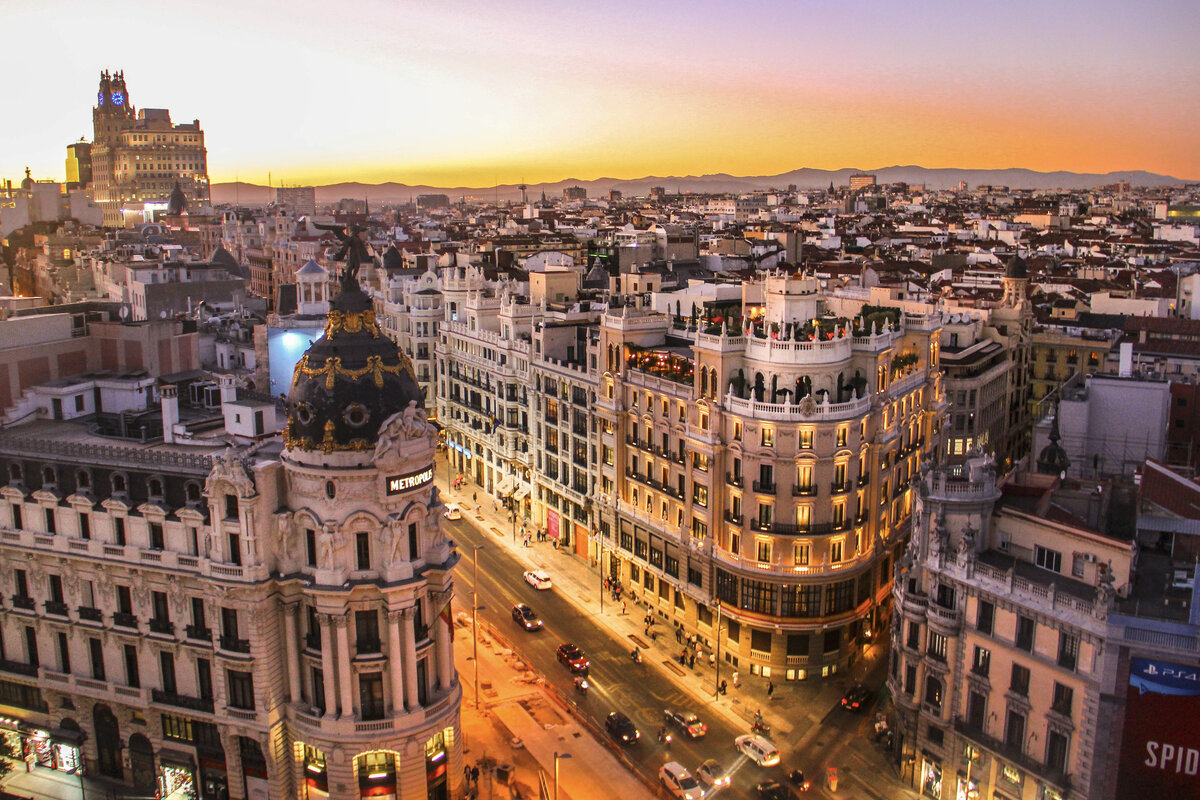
(66, 736)
(176, 757)
(504, 487)
(521, 493)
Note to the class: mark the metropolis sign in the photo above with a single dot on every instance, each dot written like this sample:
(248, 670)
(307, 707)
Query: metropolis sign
(414, 480)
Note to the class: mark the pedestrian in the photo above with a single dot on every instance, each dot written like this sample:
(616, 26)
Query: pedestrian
(467, 773)
(724, 687)
(692, 661)
(647, 630)
(475, 774)
(712, 659)
(678, 635)
(735, 679)
(622, 604)
(474, 497)
(770, 689)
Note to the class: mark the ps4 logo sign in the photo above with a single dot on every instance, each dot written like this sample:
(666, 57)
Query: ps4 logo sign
(1174, 671)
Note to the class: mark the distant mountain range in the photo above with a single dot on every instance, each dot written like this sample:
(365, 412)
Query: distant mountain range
(805, 178)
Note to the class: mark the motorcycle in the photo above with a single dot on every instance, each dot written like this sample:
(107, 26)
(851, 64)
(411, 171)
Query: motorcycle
(582, 685)
(758, 726)
(636, 655)
(798, 780)
(664, 736)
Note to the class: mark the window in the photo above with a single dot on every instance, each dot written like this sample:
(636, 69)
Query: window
(1077, 565)
(695, 577)
(763, 547)
(1057, 745)
(835, 551)
(1019, 684)
(204, 678)
(310, 547)
(241, 690)
(976, 710)
(1025, 629)
(933, 693)
(166, 665)
(64, 654)
(1047, 559)
(318, 689)
(231, 506)
(370, 695)
(981, 664)
(910, 680)
(914, 636)
(768, 436)
(119, 530)
(132, 674)
(806, 438)
(1064, 697)
(737, 431)
(843, 435)
(235, 549)
(1068, 650)
(937, 646)
(985, 617)
(802, 554)
(758, 596)
(700, 494)
(1014, 731)
(124, 600)
(51, 527)
(96, 650)
(839, 597)
(85, 526)
(362, 547)
(366, 631)
(161, 611)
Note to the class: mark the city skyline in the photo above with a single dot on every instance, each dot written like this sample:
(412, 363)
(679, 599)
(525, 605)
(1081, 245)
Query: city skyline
(516, 94)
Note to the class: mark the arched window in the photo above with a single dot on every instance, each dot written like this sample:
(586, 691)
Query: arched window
(118, 483)
(83, 479)
(155, 487)
(49, 477)
(191, 492)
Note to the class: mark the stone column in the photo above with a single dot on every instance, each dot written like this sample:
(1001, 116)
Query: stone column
(327, 666)
(395, 662)
(410, 658)
(345, 679)
(294, 664)
(442, 645)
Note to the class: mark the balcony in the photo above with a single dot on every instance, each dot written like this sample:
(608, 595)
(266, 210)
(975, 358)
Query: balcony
(125, 620)
(198, 632)
(734, 480)
(733, 519)
(1014, 754)
(839, 488)
(182, 701)
(764, 487)
(56, 608)
(90, 614)
(235, 645)
(17, 668)
(163, 626)
(949, 619)
(804, 491)
(22, 601)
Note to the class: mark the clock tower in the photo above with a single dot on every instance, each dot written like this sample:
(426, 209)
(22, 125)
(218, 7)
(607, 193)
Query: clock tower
(113, 111)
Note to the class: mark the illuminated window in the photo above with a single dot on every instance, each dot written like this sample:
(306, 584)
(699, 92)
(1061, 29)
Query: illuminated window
(835, 551)
(806, 438)
(768, 436)
(802, 554)
(843, 435)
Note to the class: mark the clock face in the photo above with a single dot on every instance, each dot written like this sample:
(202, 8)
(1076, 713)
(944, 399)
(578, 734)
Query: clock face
(118, 98)
(100, 98)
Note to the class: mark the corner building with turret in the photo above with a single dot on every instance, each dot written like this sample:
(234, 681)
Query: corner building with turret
(755, 471)
(216, 615)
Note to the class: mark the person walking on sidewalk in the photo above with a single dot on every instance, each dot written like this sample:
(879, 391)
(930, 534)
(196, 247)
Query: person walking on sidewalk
(770, 689)
(622, 608)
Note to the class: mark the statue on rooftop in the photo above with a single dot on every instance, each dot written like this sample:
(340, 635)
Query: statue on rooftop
(354, 249)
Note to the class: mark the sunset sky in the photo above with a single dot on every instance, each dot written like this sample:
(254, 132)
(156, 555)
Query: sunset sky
(477, 93)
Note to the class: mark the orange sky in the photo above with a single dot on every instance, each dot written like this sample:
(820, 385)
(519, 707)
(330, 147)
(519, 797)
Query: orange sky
(477, 93)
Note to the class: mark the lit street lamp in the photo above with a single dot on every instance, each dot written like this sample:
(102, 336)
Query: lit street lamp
(717, 679)
(557, 757)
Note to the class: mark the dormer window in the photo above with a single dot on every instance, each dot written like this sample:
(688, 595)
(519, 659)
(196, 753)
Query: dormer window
(49, 476)
(14, 473)
(118, 484)
(155, 487)
(83, 480)
(192, 493)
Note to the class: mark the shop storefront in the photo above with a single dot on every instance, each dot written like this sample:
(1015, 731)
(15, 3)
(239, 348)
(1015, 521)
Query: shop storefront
(316, 780)
(968, 788)
(176, 775)
(376, 775)
(57, 749)
(436, 759)
(931, 778)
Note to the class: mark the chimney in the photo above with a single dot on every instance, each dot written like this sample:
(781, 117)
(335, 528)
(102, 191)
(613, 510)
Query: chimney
(1126, 368)
(228, 389)
(170, 411)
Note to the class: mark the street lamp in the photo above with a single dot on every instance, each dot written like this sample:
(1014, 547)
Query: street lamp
(475, 620)
(557, 757)
(717, 679)
(512, 502)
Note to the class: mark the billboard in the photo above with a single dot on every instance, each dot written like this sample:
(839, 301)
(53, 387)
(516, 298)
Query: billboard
(1160, 748)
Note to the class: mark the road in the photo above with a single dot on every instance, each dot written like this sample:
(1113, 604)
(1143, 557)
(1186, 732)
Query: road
(643, 691)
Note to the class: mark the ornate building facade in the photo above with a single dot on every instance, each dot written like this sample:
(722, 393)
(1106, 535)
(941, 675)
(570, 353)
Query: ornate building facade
(754, 475)
(138, 158)
(267, 619)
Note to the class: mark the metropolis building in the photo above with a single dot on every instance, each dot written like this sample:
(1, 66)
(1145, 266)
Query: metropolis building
(232, 613)
(754, 473)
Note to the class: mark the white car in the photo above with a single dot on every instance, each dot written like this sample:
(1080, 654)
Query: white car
(757, 749)
(452, 511)
(679, 782)
(712, 774)
(537, 578)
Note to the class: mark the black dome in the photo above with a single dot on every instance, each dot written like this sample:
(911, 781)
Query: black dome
(1053, 459)
(349, 381)
(1016, 268)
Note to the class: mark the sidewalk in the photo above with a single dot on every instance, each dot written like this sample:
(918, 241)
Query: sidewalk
(795, 707)
(522, 724)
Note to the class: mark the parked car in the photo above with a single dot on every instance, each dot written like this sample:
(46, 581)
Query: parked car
(679, 782)
(452, 511)
(621, 728)
(686, 721)
(572, 657)
(526, 617)
(856, 699)
(537, 578)
(757, 749)
(712, 774)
